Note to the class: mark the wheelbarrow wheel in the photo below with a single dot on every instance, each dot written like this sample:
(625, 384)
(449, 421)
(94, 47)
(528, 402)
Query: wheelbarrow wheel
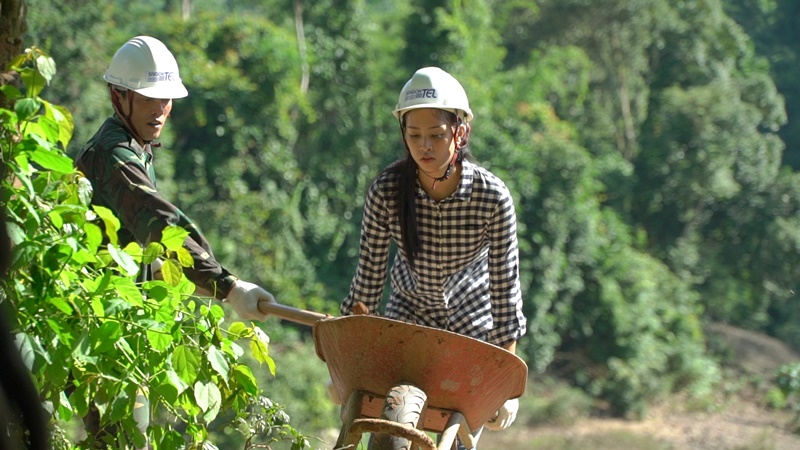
(404, 404)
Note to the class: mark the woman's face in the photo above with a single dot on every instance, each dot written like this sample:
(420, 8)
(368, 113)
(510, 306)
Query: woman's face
(431, 140)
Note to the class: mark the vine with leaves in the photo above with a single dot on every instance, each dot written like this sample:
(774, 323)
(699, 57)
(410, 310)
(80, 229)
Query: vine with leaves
(91, 336)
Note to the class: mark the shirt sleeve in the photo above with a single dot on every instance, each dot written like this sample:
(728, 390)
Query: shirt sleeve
(145, 213)
(373, 255)
(509, 321)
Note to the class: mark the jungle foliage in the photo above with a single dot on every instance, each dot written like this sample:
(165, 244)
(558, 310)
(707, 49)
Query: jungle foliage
(648, 146)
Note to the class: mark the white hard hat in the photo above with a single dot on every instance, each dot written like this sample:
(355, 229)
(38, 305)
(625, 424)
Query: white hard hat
(145, 65)
(432, 87)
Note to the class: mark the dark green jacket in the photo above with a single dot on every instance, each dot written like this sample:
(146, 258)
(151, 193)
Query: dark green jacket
(123, 179)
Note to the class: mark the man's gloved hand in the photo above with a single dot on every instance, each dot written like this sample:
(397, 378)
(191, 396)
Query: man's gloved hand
(505, 415)
(244, 298)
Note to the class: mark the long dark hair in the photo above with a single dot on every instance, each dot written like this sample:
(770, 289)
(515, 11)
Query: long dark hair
(407, 185)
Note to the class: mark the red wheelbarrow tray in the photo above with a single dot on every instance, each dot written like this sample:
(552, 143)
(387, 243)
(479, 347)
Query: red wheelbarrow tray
(458, 373)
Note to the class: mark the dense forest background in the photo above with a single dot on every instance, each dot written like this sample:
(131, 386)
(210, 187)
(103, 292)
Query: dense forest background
(649, 147)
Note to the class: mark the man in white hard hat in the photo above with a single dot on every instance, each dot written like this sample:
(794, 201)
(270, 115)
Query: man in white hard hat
(143, 79)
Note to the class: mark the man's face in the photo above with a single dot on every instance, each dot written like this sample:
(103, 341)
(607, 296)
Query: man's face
(149, 114)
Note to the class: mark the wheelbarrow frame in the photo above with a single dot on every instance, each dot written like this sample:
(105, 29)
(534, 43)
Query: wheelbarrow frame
(466, 380)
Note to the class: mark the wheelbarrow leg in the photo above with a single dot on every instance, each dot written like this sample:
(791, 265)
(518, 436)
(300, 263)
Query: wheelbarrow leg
(448, 437)
(469, 440)
(351, 412)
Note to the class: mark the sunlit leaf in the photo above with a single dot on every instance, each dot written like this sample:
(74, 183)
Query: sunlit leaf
(134, 250)
(64, 120)
(61, 304)
(184, 257)
(173, 237)
(94, 236)
(46, 66)
(106, 336)
(208, 399)
(110, 221)
(172, 272)
(186, 363)
(153, 251)
(64, 407)
(125, 261)
(176, 381)
(245, 377)
(218, 362)
(127, 290)
(158, 338)
(52, 161)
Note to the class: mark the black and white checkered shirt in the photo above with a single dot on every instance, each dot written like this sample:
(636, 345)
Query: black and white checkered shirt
(466, 276)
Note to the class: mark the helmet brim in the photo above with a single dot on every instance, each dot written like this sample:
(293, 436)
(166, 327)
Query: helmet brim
(466, 115)
(163, 92)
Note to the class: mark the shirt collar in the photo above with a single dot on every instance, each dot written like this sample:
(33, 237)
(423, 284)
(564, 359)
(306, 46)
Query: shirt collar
(464, 190)
(132, 143)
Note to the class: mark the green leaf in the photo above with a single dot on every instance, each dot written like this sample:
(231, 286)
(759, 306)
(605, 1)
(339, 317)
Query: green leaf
(56, 218)
(61, 304)
(173, 237)
(162, 386)
(11, 92)
(64, 407)
(82, 352)
(238, 329)
(260, 349)
(135, 250)
(218, 362)
(29, 348)
(79, 399)
(110, 222)
(15, 232)
(153, 251)
(45, 129)
(52, 161)
(26, 108)
(127, 290)
(120, 407)
(176, 381)
(158, 338)
(208, 399)
(172, 272)
(125, 261)
(186, 363)
(63, 119)
(245, 377)
(94, 236)
(184, 257)
(106, 336)
(33, 80)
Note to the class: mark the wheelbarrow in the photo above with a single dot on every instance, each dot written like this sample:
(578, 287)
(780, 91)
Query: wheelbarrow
(401, 380)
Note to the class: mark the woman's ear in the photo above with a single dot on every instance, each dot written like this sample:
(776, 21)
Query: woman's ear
(461, 134)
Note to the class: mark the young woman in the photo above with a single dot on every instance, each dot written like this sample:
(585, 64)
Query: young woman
(454, 226)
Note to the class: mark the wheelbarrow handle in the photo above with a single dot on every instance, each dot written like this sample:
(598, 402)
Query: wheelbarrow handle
(289, 313)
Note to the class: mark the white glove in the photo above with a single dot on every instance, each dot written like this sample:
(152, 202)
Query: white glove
(505, 415)
(244, 298)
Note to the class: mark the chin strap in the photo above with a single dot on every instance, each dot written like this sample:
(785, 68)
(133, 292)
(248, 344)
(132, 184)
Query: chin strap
(456, 158)
(126, 119)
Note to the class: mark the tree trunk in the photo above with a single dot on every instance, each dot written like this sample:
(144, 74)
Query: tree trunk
(12, 28)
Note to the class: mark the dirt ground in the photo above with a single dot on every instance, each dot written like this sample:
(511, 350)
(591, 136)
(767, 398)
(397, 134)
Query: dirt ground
(741, 423)
(743, 426)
